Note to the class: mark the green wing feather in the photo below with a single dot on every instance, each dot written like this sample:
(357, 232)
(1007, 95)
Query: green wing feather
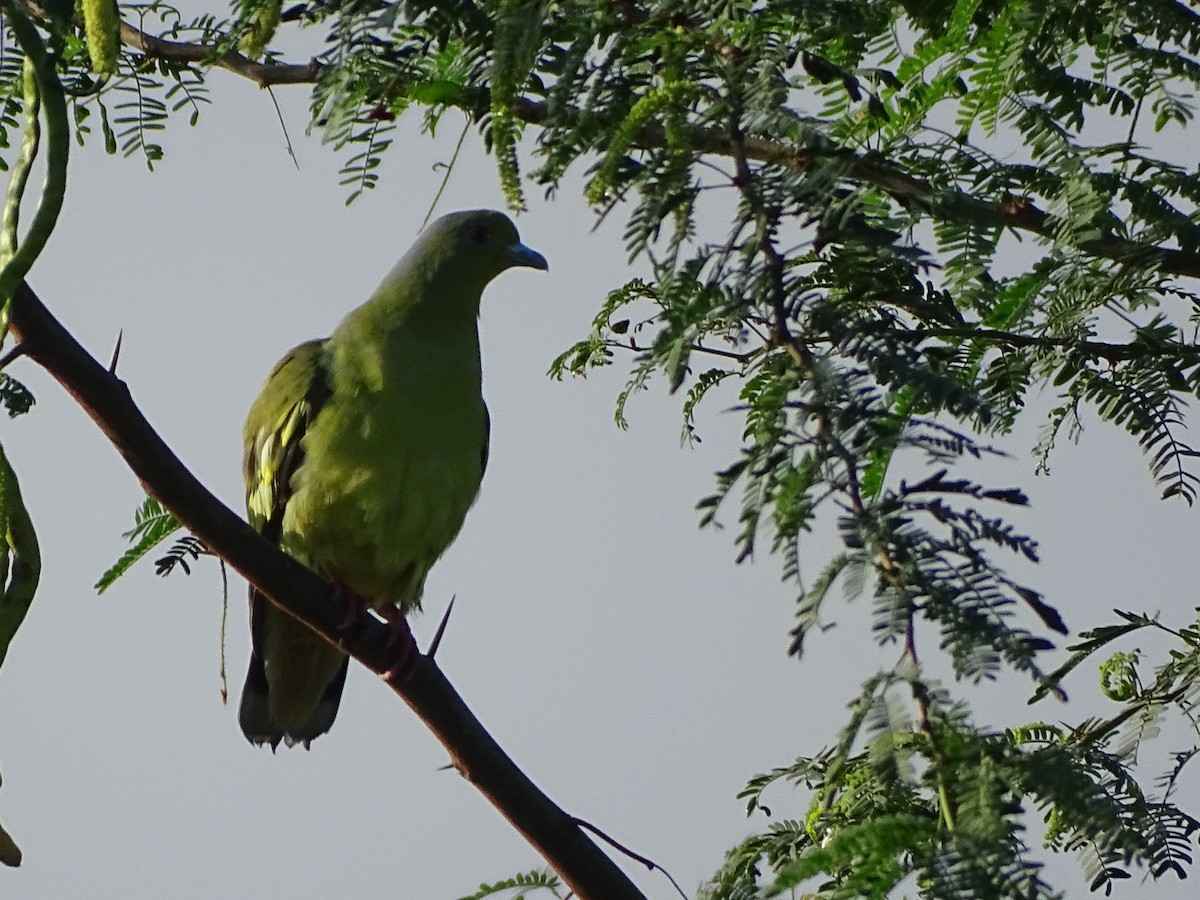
(302, 664)
(295, 391)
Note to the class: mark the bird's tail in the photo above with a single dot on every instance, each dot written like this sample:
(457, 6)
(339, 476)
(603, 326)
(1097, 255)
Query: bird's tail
(290, 717)
(260, 727)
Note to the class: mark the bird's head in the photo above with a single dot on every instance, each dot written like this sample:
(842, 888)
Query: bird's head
(478, 244)
(451, 263)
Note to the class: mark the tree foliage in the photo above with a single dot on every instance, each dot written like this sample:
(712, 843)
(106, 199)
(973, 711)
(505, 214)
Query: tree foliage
(884, 224)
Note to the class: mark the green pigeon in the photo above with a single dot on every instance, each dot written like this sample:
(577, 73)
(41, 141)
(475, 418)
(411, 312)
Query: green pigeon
(364, 452)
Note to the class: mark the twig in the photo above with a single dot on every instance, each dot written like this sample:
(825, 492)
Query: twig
(224, 628)
(449, 167)
(1096, 349)
(287, 138)
(15, 353)
(636, 857)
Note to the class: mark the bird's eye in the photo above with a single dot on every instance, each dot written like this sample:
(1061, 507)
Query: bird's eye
(478, 234)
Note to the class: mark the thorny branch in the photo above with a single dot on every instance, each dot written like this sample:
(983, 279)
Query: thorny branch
(292, 587)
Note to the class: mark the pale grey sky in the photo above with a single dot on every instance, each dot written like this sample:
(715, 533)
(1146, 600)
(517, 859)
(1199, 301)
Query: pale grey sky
(614, 650)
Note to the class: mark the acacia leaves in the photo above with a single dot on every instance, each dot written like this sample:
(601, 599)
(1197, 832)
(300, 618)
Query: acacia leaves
(889, 227)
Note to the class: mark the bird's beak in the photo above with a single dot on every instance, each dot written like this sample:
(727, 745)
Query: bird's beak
(520, 255)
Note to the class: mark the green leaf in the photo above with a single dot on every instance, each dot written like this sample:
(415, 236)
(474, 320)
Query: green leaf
(152, 525)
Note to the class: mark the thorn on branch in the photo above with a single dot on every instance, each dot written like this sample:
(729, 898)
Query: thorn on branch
(441, 629)
(116, 354)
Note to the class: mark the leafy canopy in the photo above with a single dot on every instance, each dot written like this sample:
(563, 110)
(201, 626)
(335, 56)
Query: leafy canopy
(883, 224)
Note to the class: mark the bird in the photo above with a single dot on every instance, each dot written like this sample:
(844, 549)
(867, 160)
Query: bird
(363, 453)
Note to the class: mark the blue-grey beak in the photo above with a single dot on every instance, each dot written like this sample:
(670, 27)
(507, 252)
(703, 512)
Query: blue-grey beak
(520, 255)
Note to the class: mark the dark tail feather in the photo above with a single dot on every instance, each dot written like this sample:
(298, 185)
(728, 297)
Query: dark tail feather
(254, 713)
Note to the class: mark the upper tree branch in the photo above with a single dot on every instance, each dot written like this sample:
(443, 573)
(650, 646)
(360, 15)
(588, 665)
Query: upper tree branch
(1112, 352)
(555, 834)
(947, 204)
(264, 74)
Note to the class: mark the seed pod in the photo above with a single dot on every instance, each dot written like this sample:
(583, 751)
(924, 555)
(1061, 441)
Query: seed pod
(263, 19)
(102, 25)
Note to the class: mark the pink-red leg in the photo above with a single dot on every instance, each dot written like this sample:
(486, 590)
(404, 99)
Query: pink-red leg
(402, 644)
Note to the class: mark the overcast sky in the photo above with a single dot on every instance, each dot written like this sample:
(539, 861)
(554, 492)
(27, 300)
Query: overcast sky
(613, 649)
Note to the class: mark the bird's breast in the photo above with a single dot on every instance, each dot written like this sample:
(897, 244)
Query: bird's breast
(388, 476)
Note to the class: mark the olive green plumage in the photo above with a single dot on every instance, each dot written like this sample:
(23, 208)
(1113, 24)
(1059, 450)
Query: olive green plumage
(364, 452)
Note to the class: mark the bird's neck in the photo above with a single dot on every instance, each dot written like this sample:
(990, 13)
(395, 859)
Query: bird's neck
(428, 297)
(382, 338)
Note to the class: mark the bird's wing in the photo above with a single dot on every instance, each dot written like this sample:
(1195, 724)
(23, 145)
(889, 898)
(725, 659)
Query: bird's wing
(294, 394)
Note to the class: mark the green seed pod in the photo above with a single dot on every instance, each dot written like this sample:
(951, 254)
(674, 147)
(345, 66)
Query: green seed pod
(263, 19)
(102, 25)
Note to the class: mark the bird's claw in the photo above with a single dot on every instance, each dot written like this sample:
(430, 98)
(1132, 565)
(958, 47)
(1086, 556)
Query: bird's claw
(352, 606)
(402, 645)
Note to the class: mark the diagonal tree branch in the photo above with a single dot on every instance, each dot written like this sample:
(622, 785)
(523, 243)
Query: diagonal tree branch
(292, 587)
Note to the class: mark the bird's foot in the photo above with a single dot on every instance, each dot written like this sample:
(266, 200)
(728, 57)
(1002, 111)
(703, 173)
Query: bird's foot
(401, 644)
(353, 605)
